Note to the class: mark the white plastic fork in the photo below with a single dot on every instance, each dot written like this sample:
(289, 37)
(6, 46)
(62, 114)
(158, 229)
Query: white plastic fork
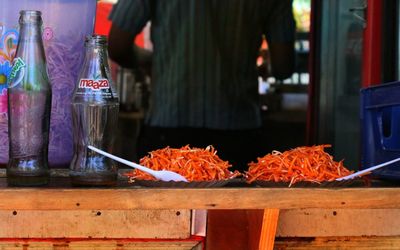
(367, 170)
(163, 175)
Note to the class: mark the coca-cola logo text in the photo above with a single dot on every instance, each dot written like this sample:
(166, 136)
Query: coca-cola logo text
(94, 84)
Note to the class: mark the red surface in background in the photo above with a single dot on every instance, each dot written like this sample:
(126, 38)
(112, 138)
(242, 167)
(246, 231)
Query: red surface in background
(103, 25)
(372, 47)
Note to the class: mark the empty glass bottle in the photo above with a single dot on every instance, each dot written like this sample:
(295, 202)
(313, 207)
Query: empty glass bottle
(29, 104)
(95, 107)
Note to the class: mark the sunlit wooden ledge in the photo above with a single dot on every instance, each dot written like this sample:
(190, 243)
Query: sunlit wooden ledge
(60, 195)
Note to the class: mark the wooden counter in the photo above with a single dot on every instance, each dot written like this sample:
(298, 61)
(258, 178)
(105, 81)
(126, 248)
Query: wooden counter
(59, 195)
(130, 212)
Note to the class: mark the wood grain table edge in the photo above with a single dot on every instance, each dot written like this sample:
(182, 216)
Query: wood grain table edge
(207, 198)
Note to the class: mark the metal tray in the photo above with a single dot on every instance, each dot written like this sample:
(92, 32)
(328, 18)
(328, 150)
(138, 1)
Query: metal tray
(180, 184)
(357, 182)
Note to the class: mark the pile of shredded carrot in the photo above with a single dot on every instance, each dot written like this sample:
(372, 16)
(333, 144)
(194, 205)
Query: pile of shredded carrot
(195, 164)
(310, 164)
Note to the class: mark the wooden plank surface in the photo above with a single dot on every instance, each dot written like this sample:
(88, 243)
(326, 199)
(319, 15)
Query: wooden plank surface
(335, 243)
(338, 222)
(255, 223)
(227, 230)
(268, 229)
(156, 224)
(191, 198)
(96, 244)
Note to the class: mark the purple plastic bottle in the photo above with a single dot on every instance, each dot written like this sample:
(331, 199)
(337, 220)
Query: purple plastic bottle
(95, 107)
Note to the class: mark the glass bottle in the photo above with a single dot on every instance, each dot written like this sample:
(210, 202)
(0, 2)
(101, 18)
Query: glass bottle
(29, 104)
(95, 107)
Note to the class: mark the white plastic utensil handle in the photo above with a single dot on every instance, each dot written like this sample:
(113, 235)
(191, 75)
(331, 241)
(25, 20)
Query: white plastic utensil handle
(129, 163)
(367, 170)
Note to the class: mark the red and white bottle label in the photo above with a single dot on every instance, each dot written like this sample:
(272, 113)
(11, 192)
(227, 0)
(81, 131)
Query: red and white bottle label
(94, 84)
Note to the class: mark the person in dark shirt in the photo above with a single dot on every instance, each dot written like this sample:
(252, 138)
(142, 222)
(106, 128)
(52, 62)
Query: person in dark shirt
(204, 72)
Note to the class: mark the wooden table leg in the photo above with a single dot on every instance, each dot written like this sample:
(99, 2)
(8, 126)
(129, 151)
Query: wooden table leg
(227, 230)
(268, 229)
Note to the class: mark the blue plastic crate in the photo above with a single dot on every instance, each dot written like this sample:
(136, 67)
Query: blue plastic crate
(380, 124)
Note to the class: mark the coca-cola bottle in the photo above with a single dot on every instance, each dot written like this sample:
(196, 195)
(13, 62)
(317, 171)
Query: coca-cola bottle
(95, 107)
(29, 104)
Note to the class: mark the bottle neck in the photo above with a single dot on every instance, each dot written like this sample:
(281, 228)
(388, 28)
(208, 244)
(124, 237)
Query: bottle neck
(30, 43)
(30, 23)
(96, 61)
(30, 32)
(96, 52)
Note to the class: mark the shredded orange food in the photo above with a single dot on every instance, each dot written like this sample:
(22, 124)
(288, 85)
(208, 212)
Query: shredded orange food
(195, 164)
(311, 164)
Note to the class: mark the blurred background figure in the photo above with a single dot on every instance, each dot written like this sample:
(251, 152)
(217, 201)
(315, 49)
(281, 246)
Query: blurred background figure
(203, 69)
